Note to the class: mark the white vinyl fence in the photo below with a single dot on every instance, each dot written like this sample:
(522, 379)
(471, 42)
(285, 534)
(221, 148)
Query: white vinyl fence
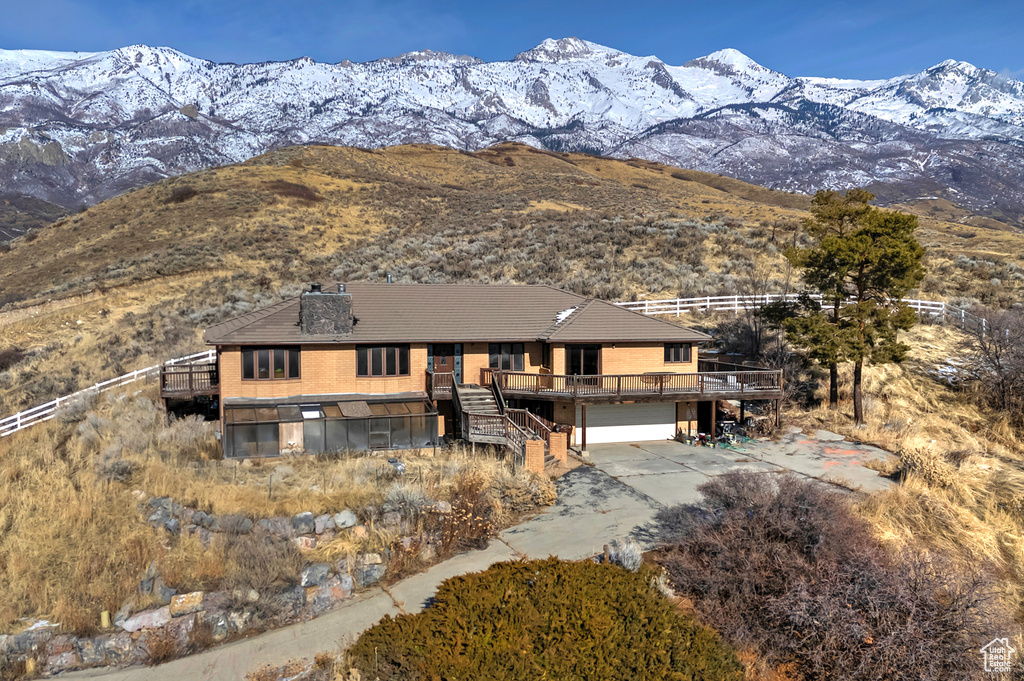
(943, 312)
(45, 412)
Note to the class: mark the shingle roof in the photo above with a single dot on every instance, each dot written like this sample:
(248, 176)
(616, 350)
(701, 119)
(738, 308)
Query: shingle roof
(458, 313)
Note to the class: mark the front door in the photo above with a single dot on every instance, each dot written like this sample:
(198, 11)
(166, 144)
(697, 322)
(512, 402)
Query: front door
(582, 360)
(444, 358)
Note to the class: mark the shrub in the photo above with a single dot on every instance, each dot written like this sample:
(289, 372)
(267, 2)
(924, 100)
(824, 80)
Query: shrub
(294, 190)
(546, 619)
(9, 357)
(784, 566)
(182, 194)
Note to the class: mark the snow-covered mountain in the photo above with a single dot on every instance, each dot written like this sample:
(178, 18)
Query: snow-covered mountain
(76, 128)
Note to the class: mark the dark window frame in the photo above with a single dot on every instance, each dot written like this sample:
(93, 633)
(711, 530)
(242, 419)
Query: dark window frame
(382, 361)
(678, 353)
(506, 356)
(265, 360)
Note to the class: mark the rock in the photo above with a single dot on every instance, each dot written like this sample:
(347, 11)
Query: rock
(162, 592)
(172, 525)
(91, 650)
(121, 615)
(252, 595)
(305, 543)
(186, 514)
(146, 586)
(340, 587)
(163, 503)
(368, 574)
(369, 559)
(220, 627)
(158, 518)
(323, 523)
(392, 519)
(292, 599)
(60, 644)
(239, 621)
(186, 604)
(315, 575)
(442, 507)
(204, 536)
(152, 570)
(341, 567)
(148, 619)
(282, 527)
(200, 518)
(118, 647)
(139, 495)
(327, 536)
(397, 465)
(359, 532)
(232, 524)
(304, 523)
(343, 519)
(407, 543)
(826, 436)
(62, 661)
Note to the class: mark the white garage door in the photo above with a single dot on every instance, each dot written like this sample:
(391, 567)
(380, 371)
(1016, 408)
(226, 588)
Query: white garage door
(627, 422)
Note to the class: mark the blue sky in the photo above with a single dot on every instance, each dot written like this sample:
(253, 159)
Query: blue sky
(867, 39)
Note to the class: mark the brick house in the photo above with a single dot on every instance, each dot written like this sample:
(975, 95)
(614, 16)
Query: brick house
(396, 366)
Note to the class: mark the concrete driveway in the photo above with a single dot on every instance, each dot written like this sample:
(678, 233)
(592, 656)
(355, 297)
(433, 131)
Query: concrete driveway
(669, 472)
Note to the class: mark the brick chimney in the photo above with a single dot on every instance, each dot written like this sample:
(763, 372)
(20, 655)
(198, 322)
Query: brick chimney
(325, 314)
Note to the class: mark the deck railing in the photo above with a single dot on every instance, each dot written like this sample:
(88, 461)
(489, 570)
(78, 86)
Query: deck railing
(439, 384)
(188, 380)
(618, 386)
(530, 422)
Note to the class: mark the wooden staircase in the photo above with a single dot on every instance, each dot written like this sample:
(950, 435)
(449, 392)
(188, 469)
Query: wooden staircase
(477, 400)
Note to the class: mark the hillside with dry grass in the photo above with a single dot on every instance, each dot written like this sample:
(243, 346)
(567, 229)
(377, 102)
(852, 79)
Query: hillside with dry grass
(133, 280)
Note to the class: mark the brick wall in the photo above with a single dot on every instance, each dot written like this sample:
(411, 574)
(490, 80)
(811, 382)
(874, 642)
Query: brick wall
(476, 356)
(324, 369)
(639, 358)
(559, 447)
(535, 456)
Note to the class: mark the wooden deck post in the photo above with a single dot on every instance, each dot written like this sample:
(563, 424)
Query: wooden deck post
(583, 428)
(743, 413)
(714, 417)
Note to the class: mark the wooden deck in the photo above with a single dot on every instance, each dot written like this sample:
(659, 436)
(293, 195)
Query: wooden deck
(187, 381)
(728, 382)
(439, 385)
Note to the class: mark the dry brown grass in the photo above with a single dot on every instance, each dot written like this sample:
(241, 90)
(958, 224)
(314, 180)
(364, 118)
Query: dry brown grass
(73, 541)
(961, 467)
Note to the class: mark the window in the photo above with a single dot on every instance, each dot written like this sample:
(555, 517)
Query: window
(506, 356)
(382, 360)
(677, 352)
(269, 363)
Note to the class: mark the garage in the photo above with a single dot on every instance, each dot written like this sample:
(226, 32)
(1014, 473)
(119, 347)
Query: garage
(626, 422)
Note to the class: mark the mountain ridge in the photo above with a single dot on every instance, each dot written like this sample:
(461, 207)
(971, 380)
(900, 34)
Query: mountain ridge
(76, 128)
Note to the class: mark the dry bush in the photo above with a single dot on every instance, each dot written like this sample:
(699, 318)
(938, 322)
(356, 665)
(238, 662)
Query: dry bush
(262, 561)
(293, 190)
(785, 566)
(182, 194)
(161, 645)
